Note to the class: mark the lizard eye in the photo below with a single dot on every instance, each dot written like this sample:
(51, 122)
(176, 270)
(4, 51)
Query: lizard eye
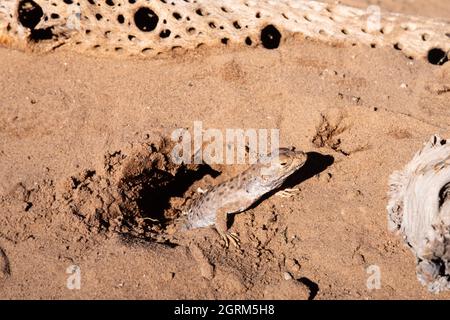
(283, 163)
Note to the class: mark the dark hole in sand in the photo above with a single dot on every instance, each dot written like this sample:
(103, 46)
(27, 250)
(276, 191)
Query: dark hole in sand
(158, 186)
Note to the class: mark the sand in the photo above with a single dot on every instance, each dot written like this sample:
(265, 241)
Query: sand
(72, 127)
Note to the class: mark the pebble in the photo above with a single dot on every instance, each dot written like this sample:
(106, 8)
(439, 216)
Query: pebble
(287, 276)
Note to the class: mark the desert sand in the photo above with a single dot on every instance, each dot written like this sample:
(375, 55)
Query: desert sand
(73, 128)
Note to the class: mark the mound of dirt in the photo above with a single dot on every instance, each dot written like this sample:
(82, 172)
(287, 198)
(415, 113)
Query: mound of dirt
(139, 191)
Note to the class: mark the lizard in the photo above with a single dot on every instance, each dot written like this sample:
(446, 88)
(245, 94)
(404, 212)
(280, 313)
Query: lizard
(241, 192)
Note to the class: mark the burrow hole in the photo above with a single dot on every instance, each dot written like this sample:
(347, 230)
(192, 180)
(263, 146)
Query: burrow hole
(150, 192)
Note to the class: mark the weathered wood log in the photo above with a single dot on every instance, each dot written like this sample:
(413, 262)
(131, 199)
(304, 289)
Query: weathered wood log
(148, 28)
(419, 208)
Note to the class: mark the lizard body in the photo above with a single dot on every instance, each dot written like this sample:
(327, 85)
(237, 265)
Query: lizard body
(241, 192)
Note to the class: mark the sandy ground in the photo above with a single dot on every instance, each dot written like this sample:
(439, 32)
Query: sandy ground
(71, 128)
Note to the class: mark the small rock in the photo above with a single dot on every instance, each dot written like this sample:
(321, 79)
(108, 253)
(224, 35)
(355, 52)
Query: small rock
(293, 265)
(167, 276)
(5, 270)
(287, 276)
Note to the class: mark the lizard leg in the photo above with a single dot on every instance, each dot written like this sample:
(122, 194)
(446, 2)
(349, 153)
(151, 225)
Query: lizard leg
(222, 229)
(287, 193)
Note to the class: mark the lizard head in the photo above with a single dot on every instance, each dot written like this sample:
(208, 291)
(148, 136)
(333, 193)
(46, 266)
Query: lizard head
(280, 165)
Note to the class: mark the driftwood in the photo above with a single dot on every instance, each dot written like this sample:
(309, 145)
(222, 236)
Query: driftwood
(419, 208)
(148, 28)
